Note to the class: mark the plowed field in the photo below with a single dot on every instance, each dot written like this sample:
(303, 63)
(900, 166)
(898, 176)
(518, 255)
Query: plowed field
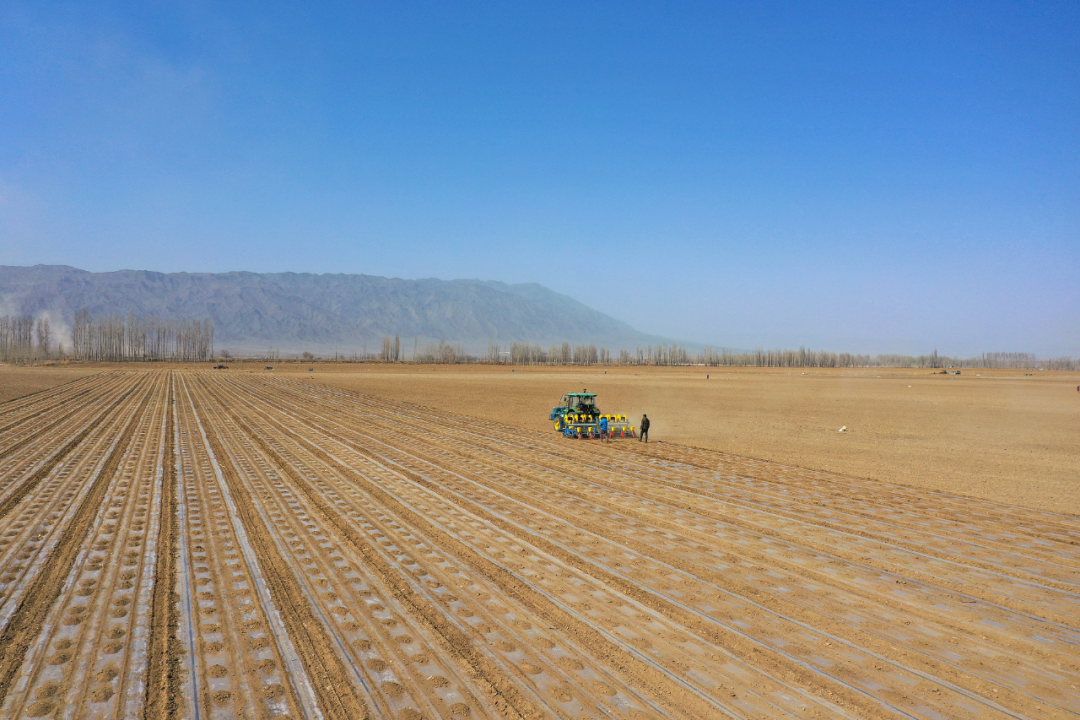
(195, 545)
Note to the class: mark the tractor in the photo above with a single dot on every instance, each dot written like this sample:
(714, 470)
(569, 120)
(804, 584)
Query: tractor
(579, 417)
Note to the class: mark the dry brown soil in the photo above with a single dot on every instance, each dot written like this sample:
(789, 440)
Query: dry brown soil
(178, 544)
(17, 380)
(998, 435)
(1005, 436)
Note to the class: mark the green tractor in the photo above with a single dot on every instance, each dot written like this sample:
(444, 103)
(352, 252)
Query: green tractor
(579, 417)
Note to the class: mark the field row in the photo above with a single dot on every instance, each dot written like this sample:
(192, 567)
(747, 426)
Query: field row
(196, 545)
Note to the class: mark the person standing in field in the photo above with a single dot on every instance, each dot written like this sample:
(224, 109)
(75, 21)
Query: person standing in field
(604, 434)
(644, 428)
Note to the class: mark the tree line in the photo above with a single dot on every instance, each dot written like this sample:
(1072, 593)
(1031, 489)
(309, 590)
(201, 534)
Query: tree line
(24, 338)
(520, 353)
(566, 353)
(107, 338)
(116, 338)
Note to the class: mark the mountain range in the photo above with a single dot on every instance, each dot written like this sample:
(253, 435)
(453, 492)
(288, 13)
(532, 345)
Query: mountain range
(294, 312)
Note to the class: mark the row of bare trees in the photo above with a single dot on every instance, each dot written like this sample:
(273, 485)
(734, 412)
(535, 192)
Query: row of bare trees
(442, 354)
(24, 338)
(782, 358)
(1060, 363)
(113, 338)
(523, 353)
(391, 349)
(986, 361)
(675, 355)
(116, 338)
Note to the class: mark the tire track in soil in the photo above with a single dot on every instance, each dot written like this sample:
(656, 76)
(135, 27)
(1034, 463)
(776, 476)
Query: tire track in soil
(666, 688)
(28, 403)
(63, 396)
(240, 661)
(663, 457)
(596, 516)
(26, 447)
(656, 561)
(99, 626)
(397, 434)
(189, 690)
(1052, 528)
(1018, 594)
(27, 486)
(363, 446)
(36, 525)
(163, 681)
(665, 584)
(437, 541)
(148, 521)
(336, 696)
(453, 640)
(797, 673)
(76, 622)
(384, 643)
(64, 399)
(473, 572)
(27, 619)
(307, 507)
(645, 463)
(1031, 570)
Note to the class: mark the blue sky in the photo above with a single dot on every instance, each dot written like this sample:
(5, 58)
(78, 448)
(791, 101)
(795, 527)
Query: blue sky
(869, 177)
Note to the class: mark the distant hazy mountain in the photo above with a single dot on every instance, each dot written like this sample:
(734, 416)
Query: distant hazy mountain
(299, 311)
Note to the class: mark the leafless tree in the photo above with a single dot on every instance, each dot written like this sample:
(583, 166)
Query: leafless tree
(44, 335)
(113, 338)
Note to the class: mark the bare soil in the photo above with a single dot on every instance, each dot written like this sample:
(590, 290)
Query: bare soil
(17, 380)
(178, 543)
(231, 544)
(1007, 436)
(998, 435)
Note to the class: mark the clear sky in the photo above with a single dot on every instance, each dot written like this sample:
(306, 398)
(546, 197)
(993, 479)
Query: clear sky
(864, 176)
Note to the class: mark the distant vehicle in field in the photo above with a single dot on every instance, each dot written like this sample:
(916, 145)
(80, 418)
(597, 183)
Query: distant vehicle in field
(268, 367)
(579, 417)
(221, 367)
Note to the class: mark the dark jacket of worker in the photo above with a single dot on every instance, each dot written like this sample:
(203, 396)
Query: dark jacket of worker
(645, 423)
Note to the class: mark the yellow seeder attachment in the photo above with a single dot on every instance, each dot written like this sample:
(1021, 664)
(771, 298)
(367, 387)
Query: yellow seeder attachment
(588, 426)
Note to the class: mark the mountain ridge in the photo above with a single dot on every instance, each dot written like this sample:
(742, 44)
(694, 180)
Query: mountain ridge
(294, 312)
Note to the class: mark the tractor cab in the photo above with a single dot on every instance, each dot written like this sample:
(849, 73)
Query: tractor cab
(582, 403)
(575, 404)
